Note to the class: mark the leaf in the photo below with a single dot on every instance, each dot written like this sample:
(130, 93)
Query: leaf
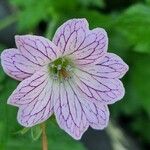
(36, 132)
(134, 24)
(98, 3)
(148, 2)
(32, 12)
(139, 124)
(22, 131)
(2, 47)
(2, 77)
(140, 78)
(2, 74)
(7, 119)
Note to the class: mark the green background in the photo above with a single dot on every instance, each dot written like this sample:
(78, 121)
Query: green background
(128, 25)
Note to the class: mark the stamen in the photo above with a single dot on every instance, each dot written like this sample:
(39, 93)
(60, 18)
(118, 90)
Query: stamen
(61, 69)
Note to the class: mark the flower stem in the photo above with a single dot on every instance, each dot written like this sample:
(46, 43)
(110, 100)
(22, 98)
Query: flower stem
(44, 137)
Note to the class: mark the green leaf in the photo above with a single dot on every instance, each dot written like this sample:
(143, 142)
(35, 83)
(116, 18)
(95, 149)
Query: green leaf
(36, 132)
(148, 2)
(31, 12)
(140, 123)
(140, 78)
(22, 131)
(2, 74)
(2, 77)
(98, 3)
(2, 47)
(134, 23)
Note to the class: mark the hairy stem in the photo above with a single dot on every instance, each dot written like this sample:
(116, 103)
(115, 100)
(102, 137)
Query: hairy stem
(44, 137)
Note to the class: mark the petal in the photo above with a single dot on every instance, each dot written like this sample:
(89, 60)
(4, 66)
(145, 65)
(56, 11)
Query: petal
(74, 113)
(97, 115)
(37, 49)
(17, 65)
(103, 90)
(34, 97)
(68, 31)
(76, 40)
(112, 66)
(69, 113)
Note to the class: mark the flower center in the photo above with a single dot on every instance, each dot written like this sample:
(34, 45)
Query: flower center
(61, 68)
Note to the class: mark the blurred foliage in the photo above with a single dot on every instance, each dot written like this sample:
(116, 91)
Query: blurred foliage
(129, 35)
(132, 23)
(97, 3)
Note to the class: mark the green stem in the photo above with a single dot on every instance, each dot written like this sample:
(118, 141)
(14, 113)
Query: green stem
(44, 137)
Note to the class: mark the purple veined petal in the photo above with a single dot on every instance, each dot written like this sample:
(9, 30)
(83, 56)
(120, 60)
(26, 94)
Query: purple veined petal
(37, 49)
(68, 31)
(69, 113)
(112, 66)
(74, 112)
(103, 90)
(97, 114)
(76, 40)
(17, 65)
(33, 96)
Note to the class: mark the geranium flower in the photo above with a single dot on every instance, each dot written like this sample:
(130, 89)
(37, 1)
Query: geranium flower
(72, 77)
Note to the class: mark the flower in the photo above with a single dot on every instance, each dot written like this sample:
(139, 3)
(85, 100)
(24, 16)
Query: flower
(73, 77)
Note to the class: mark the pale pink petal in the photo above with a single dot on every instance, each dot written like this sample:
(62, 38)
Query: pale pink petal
(97, 114)
(37, 49)
(103, 90)
(68, 31)
(112, 66)
(17, 65)
(74, 113)
(69, 113)
(33, 96)
(81, 44)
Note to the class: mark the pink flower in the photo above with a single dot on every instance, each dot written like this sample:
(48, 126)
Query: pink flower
(72, 77)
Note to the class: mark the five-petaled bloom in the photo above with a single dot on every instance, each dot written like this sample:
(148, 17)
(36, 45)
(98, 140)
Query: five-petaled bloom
(71, 76)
